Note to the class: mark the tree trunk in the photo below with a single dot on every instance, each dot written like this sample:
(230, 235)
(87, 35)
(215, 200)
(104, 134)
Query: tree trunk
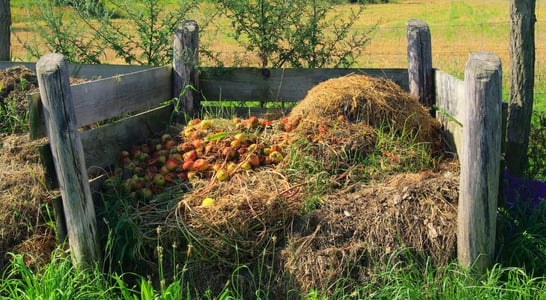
(5, 32)
(522, 73)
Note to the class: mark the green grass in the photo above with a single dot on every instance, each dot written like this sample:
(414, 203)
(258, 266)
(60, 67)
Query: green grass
(400, 275)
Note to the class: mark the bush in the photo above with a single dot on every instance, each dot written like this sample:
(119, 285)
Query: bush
(296, 33)
(84, 30)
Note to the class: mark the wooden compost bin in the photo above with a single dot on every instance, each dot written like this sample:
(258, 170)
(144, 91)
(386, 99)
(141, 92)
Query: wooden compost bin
(469, 110)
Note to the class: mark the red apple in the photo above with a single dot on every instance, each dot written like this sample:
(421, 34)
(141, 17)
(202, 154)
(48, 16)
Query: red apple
(253, 122)
(191, 155)
(171, 164)
(186, 166)
(185, 147)
(170, 144)
(200, 165)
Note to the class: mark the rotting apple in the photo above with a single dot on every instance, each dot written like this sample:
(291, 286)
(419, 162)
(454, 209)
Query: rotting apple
(191, 155)
(185, 147)
(254, 160)
(235, 144)
(246, 165)
(231, 167)
(206, 124)
(171, 164)
(229, 153)
(186, 166)
(275, 157)
(222, 175)
(200, 165)
(165, 137)
(159, 179)
(253, 122)
(170, 144)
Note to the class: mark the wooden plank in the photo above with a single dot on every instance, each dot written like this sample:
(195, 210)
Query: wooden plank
(103, 99)
(114, 137)
(480, 161)
(449, 95)
(85, 71)
(120, 135)
(67, 150)
(254, 84)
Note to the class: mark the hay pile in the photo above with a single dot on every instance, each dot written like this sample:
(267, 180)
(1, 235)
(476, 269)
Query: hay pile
(371, 101)
(366, 223)
(22, 199)
(250, 211)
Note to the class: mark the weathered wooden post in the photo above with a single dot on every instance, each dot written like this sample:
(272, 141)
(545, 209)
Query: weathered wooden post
(421, 83)
(480, 160)
(522, 82)
(66, 147)
(5, 25)
(185, 59)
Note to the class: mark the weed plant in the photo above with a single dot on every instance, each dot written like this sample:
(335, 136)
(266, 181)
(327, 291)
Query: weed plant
(13, 119)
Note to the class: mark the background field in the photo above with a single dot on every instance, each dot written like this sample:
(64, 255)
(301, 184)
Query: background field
(457, 28)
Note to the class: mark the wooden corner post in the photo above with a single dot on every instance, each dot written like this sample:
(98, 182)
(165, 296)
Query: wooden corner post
(185, 60)
(480, 160)
(420, 61)
(66, 147)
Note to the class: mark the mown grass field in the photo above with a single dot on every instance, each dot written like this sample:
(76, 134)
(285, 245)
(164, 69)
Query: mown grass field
(457, 29)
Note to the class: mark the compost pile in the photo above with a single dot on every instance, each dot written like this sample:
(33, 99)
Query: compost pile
(231, 192)
(23, 197)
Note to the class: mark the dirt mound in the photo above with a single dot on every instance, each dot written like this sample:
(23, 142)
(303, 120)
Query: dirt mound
(16, 81)
(370, 101)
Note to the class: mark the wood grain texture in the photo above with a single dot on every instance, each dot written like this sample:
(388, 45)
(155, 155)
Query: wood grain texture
(480, 161)
(420, 61)
(185, 59)
(85, 71)
(68, 156)
(103, 99)
(449, 98)
(280, 85)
